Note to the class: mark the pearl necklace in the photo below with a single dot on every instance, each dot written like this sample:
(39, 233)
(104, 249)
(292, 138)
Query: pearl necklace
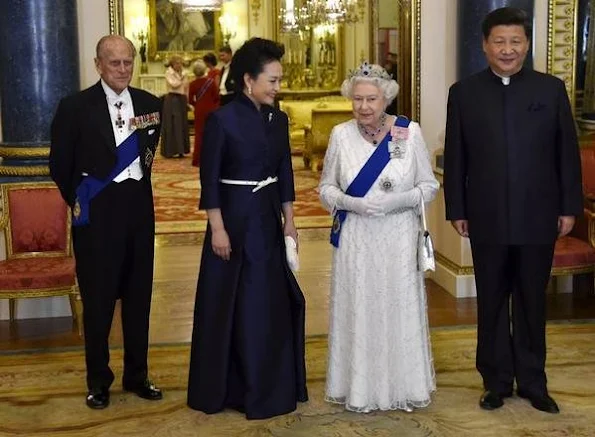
(378, 129)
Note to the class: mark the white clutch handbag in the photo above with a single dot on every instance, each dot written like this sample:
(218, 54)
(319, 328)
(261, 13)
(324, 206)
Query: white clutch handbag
(425, 246)
(292, 253)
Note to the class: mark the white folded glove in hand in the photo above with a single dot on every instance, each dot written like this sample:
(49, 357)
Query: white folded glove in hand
(359, 205)
(399, 201)
(291, 253)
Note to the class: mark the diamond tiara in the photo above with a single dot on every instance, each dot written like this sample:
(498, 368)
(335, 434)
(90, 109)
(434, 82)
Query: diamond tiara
(369, 70)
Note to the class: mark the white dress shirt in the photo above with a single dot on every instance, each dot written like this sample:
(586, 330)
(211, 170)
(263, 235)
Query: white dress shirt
(133, 171)
(225, 70)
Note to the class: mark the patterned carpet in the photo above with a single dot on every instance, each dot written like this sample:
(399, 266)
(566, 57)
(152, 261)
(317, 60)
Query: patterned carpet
(176, 190)
(42, 394)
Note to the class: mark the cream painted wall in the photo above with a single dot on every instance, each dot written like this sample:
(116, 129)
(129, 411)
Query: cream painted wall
(438, 65)
(93, 18)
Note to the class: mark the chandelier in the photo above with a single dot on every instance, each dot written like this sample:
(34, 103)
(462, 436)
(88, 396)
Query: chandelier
(314, 13)
(198, 5)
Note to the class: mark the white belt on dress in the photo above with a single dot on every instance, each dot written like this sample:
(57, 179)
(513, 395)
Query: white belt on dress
(257, 184)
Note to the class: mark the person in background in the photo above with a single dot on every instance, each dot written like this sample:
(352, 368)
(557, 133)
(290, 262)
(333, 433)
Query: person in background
(248, 341)
(512, 185)
(213, 72)
(226, 85)
(203, 95)
(376, 175)
(391, 68)
(175, 139)
(103, 141)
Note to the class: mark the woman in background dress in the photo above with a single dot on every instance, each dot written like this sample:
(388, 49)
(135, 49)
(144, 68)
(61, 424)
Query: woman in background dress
(248, 340)
(214, 73)
(203, 94)
(379, 346)
(175, 140)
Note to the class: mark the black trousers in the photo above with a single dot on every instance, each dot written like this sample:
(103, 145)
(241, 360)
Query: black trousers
(512, 281)
(114, 260)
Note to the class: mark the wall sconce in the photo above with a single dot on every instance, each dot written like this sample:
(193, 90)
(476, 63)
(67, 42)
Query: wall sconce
(228, 24)
(140, 32)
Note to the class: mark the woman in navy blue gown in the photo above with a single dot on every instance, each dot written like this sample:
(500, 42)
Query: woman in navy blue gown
(248, 339)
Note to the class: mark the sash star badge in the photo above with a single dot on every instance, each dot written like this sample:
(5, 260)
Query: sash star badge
(76, 209)
(148, 157)
(336, 224)
(387, 184)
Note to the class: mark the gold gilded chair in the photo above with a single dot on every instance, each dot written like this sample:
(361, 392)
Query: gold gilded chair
(39, 260)
(575, 254)
(317, 137)
(299, 113)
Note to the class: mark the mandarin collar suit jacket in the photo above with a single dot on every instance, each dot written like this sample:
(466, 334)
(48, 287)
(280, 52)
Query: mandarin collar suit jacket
(82, 137)
(511, 164)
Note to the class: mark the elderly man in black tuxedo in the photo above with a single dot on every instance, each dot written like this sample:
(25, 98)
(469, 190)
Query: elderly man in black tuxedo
(103, 140)
(512, 184)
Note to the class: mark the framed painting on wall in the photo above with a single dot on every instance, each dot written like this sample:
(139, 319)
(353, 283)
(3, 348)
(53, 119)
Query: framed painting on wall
(173, 31)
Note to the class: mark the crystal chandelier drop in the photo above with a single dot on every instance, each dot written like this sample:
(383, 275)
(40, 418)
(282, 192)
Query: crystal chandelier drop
(314, 13)
(198, 5)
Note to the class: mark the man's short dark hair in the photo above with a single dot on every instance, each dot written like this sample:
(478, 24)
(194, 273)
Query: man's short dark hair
(506, 17)
(225, 49)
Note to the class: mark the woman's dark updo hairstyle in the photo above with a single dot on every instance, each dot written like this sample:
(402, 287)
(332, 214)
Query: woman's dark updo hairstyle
(252, 57)
(210, 59)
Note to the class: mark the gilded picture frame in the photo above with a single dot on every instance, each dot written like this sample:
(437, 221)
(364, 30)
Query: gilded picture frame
(409, 64)
(172, 31)
(561, 43)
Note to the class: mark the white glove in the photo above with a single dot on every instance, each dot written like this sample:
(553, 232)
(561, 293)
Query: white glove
(291, 253)
(399, 201)
(359, 205)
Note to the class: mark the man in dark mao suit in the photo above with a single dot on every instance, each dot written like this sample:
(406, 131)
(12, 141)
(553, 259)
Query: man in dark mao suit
(513, 186)
(114, 249)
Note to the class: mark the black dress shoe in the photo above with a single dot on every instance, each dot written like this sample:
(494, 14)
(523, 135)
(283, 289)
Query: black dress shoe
(145, 390)
(490, 400)
(542, 402)
(98, 398)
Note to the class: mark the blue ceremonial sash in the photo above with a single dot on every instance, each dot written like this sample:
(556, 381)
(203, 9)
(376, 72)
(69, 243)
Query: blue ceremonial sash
(90, 186)
(365, 178)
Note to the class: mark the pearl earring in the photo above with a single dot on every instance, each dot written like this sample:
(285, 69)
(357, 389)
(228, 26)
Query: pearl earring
(250, 90)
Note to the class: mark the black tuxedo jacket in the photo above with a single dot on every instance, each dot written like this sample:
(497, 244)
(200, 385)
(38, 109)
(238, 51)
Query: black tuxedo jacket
(82, 138)
(511, 158)
(229, 82)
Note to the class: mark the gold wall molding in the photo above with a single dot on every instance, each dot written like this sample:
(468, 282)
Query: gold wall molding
(25, 170)
(255, 9)
(453, 266)
(24, 152)
(561, 43)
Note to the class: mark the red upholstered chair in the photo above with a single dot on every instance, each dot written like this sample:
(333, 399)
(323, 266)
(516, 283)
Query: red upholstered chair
(575, 254)
(39, 260)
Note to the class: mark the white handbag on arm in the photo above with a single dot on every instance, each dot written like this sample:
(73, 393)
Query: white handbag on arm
(425, 246)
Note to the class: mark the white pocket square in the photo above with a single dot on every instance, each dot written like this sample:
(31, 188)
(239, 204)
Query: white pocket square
(292, 253)
(151, 131)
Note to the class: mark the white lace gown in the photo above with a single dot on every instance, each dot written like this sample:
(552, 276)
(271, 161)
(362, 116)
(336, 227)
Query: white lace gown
(380, 356)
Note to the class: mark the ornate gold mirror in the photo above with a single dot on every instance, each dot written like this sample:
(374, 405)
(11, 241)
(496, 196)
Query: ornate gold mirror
(571, 55)
(395, 43)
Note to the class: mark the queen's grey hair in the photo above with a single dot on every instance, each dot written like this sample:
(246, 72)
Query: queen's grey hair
(389, 88)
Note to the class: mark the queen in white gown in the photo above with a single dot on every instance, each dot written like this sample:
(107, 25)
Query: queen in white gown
(380, 355)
